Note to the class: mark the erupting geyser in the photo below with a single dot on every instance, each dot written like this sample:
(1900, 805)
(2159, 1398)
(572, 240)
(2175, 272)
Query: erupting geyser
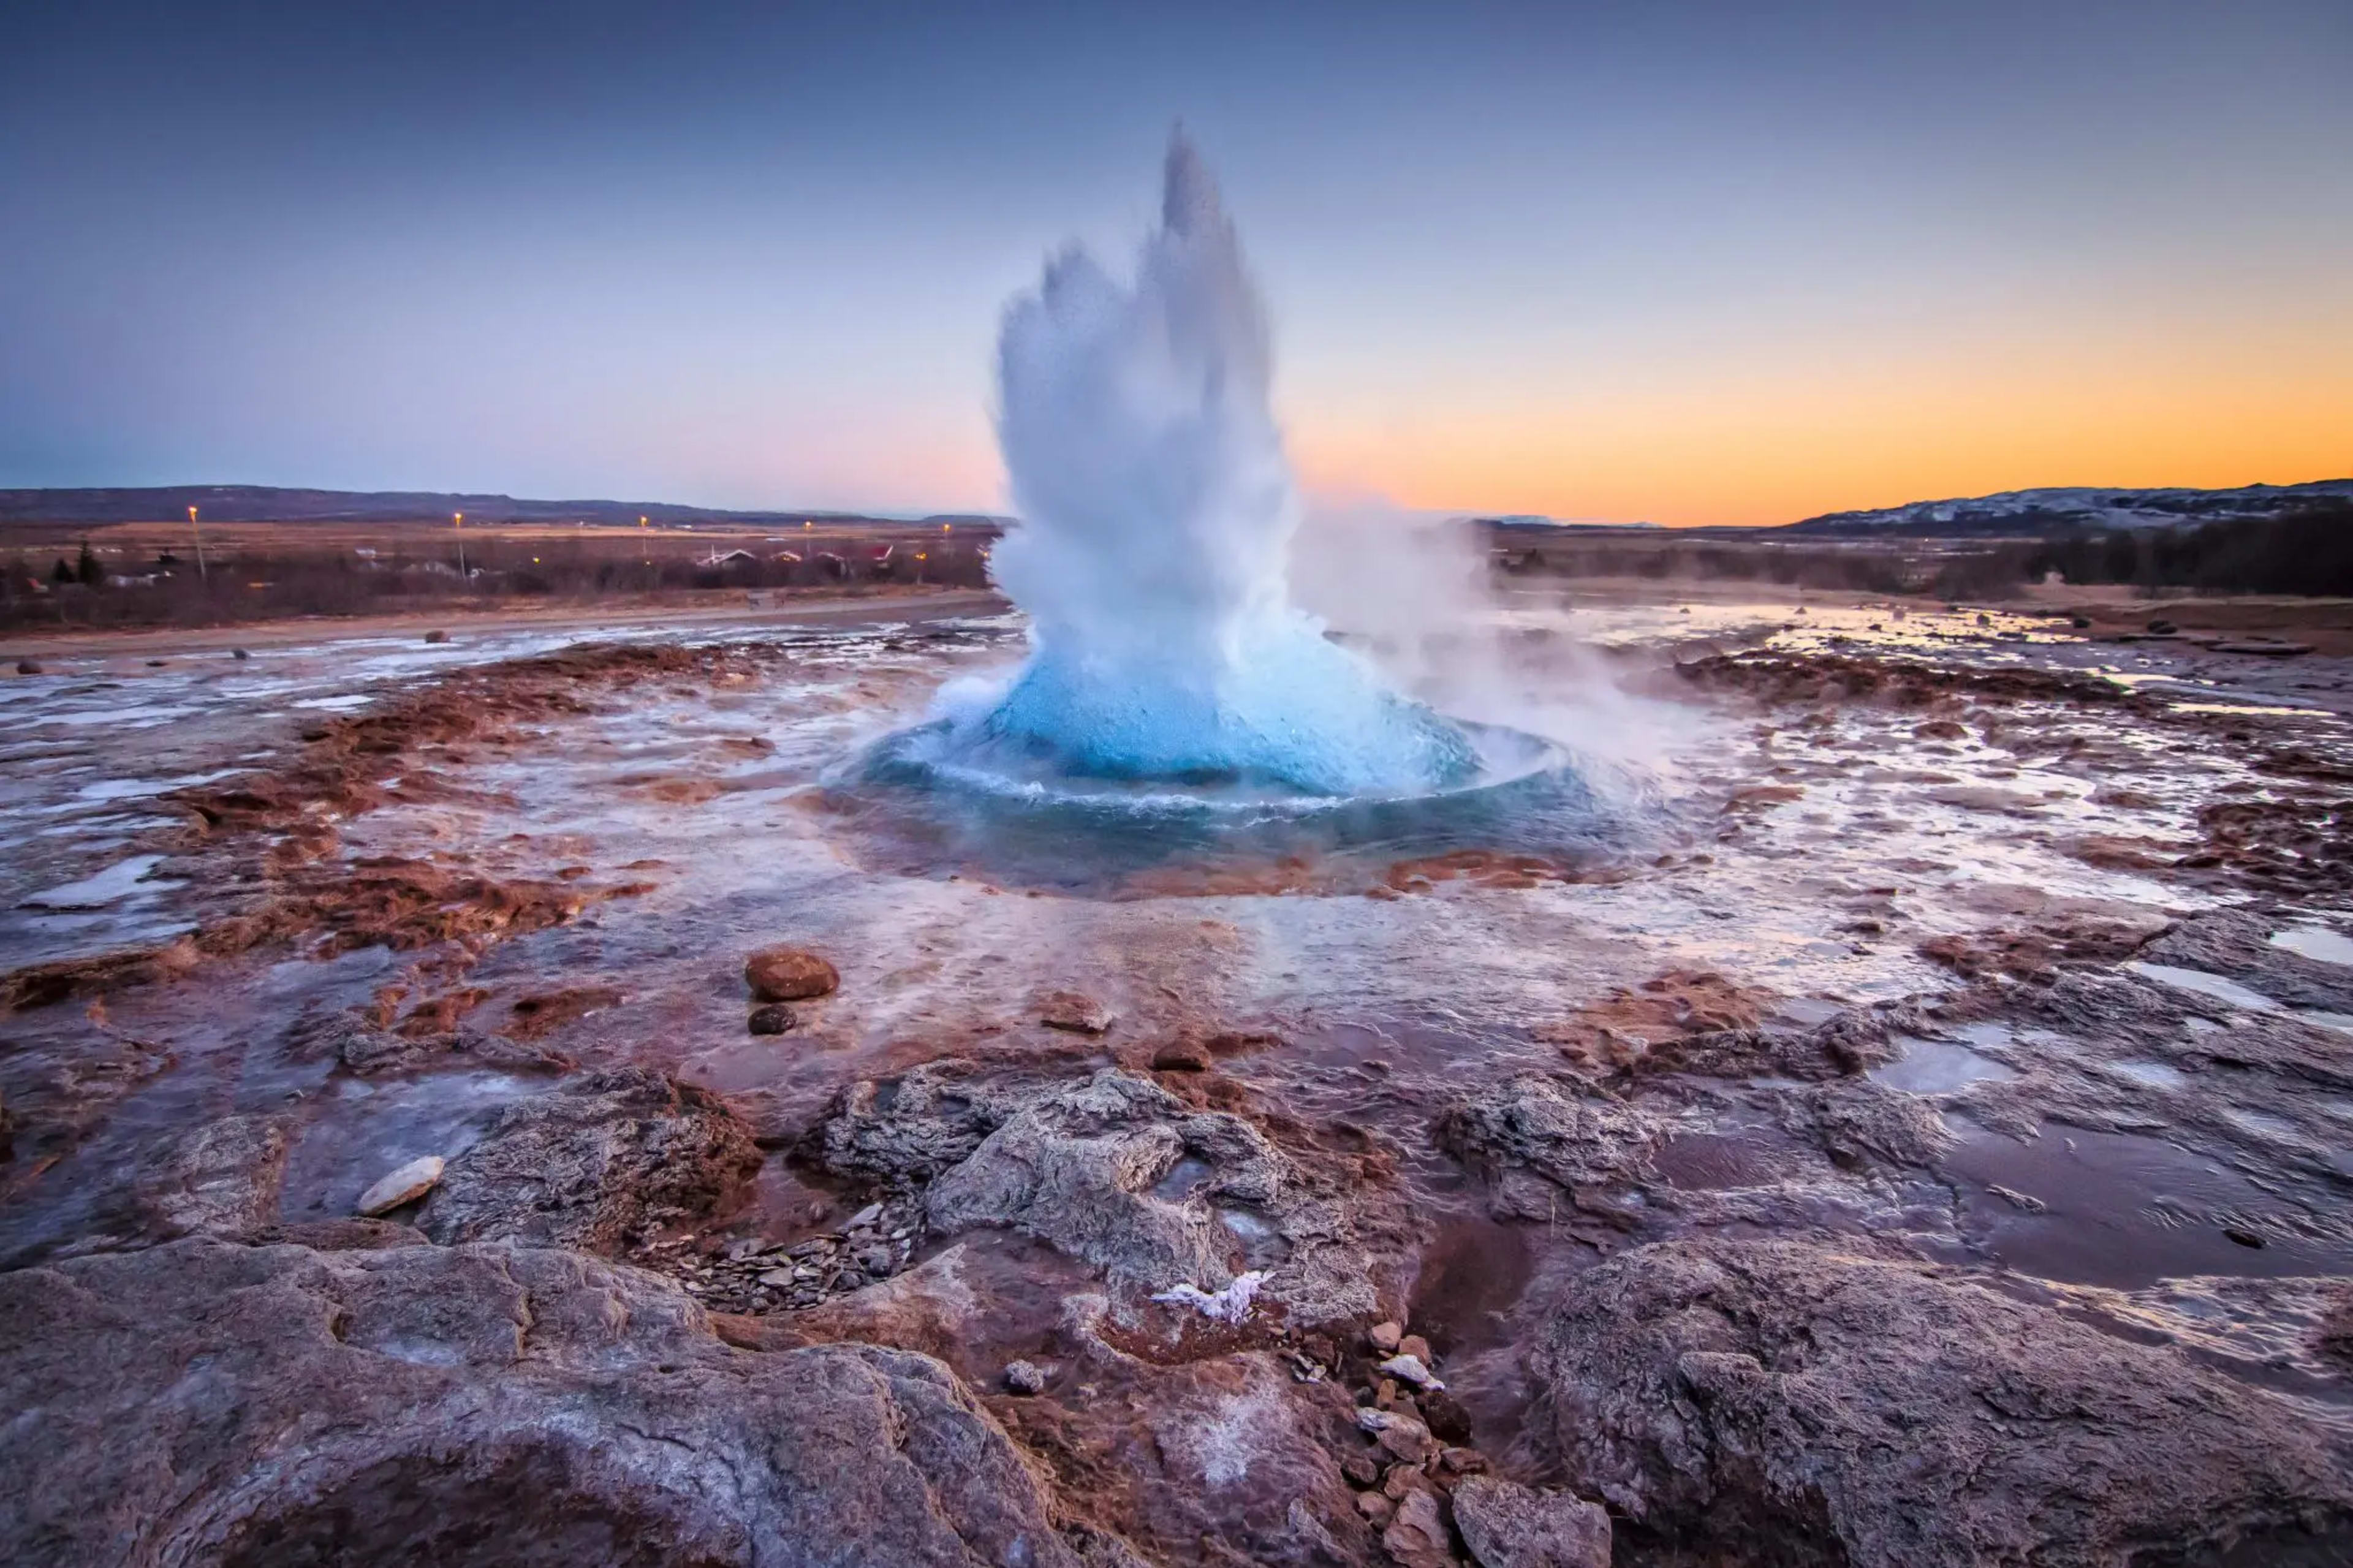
(1157, 514)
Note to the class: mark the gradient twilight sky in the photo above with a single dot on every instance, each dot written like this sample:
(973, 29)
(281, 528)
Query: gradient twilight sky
(1722, 262)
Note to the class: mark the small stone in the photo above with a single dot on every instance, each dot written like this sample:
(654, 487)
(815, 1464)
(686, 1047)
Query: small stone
(1181, 1055)
(1383, 1337)
(1403, 1479)
(2244, 1238)
(771, 1018)
(864, 1218)
(1462, 1461)
(777, 1277)
(789, 974)
(1401, 1435)
(1409, 1369)
(1375, 1506)
(239, 653)
(878, 1261)
(2026, 1202)
(1024, 1377)
(1445, 1417)
(1360, 1469)
(437, 636)
(28, 666)
(405, 1185)
(1418, 1348)
(1075, 1011)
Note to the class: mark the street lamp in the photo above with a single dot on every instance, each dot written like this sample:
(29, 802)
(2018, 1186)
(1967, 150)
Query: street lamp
(202, 575)
(458, 522)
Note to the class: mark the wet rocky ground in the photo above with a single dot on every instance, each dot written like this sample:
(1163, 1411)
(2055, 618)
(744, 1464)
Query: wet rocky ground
(533, 1102)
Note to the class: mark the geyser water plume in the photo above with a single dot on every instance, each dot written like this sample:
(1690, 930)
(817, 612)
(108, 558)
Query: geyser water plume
(1156, 513)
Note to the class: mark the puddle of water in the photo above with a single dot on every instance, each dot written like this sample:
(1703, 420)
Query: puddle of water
(2249, 708)
(2153, 1075)
(139, 789)
(1184, 1178)
(1472, 1274)
(2125, 1210)
(1712, 1162)
(361, 1130)
(2318, 942)
(112, 886)
(2214, 986)
(1805, 1012)
(1938, 1066)
(1262, 1246)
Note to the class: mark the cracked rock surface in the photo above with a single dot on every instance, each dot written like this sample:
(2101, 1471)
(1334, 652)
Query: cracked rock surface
(1115, 1171)
(597, 1163)
(214, 1405)
(1814, 1407)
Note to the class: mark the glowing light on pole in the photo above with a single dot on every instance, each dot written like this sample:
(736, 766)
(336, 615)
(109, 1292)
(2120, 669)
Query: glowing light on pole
(202, 575)
(458, 522)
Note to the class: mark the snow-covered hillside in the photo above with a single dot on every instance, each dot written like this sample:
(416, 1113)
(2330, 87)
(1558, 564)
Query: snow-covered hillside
(2042, 510)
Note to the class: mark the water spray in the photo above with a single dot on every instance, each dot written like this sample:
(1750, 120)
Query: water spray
(1156, 508)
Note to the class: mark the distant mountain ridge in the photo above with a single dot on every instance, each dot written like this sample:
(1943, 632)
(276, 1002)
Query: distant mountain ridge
(2038, 511)
(271, 503)
(2011, 513)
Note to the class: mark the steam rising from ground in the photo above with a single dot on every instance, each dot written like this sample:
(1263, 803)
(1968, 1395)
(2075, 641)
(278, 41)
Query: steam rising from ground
(1417, 595)
(1153, 556)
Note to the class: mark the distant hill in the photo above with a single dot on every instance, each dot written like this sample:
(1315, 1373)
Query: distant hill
(267, 503)
(2043, 511)
(1534, 522)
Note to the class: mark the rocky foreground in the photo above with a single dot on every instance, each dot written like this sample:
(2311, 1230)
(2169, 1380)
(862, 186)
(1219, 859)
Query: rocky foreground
(1119, 1266)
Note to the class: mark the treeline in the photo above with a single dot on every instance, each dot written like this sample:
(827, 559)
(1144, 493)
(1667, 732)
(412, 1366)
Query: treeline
(99, 588)
(2308, 551)
(1847, 568)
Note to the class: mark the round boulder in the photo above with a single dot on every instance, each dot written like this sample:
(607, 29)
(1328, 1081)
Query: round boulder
(789, 974)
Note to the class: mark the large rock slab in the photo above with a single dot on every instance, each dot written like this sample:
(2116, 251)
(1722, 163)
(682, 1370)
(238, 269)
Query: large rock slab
(1812, 1407)
(1116, 1171)
(205, 1405)
(600, 1163)
(220, 1178)
(1507, 1525)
